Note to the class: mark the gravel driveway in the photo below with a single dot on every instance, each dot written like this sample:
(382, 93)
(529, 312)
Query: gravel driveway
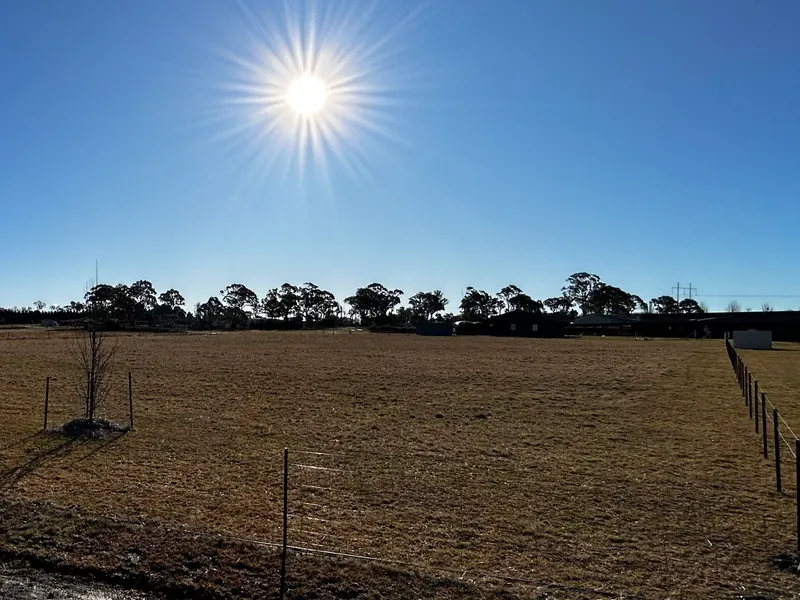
(25, 584)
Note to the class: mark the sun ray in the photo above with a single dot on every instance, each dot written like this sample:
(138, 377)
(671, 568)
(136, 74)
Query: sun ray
(314, 85)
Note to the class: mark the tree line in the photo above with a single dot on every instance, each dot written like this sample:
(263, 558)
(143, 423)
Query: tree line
(237, 306)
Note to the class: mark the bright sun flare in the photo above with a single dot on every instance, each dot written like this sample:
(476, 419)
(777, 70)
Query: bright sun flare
(307, 95)
(314, 84)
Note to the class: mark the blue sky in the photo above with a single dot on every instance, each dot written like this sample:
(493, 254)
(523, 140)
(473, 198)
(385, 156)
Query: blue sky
(648, 142)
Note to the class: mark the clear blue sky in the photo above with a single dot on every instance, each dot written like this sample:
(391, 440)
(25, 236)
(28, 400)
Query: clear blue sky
(648, 142)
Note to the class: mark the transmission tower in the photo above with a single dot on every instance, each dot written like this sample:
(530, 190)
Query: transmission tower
(678, 289)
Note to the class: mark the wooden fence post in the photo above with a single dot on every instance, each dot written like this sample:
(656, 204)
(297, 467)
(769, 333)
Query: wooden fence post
(285, 520)
(130, 399)
(797, 486)
(755, 412)
(750, 396)
(46, 401)
(744, 384)
(764, 419)
(776, 434)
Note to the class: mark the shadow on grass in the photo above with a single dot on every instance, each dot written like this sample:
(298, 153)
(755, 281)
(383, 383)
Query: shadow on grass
(100, 445)
(21, 441)
(51, 446)
(10, 477)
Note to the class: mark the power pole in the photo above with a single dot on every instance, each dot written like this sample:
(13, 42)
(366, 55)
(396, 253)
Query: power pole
(689, 291)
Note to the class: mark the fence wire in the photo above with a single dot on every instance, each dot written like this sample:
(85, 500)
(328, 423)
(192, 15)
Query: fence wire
(748, 384)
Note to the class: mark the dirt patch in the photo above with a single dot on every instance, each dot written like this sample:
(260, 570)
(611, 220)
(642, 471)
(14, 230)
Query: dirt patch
(21, 583)
(91, 428)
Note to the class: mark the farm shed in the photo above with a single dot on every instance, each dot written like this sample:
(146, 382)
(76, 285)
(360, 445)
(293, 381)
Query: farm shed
(432, 328)
(752, 339)
(605, 325)
(526, 324)
(784, 325)
(470, 328)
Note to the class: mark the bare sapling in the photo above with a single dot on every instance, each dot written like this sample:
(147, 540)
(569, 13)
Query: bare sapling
(95, 353)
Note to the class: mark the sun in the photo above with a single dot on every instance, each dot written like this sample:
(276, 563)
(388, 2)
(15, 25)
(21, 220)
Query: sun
(307, 95)
(315, 83)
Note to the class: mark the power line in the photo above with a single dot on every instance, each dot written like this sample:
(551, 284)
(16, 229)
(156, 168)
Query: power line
(748, 295)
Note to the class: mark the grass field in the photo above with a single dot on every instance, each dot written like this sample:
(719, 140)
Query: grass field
(778, 371)
(583, 467)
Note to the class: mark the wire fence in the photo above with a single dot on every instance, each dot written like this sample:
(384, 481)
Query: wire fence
(344, 504)
(766, 417)
(63, 402)
(335, 501)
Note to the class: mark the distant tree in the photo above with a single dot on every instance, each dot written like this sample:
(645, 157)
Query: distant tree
(478, 304)
(373, 302)
(690, 306)
(704, 307)
(39, 305)
(607, 299)
(100, 299)
(210, 312)
(525, 303)
(665, 305)
(405, 316)
(506, 295)
(76, 307)
(172, 299)
(513, 298)
(425, 305)
(579, 289)
(560, 304)
(317, 304)
(734, 307)
(144, 295)
(239, 298)
(271, 304)
(124, 305)
(766, 307)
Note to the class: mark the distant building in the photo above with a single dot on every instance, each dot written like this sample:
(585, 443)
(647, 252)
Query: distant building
(49, 323)
(785, 325)
(519, 323)
(434, 328)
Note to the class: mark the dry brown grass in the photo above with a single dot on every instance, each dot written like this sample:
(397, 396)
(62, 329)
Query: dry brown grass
(778, 371)
(608, 464)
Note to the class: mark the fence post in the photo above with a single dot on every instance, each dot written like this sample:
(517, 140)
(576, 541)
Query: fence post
(285, 520)
(46, 401)
(750, 396)
(130, 399)
(764, 419)
(797, 486)
(756, 410)
(776, 435)
(744, 385)
(744, 382)
(744, 376)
